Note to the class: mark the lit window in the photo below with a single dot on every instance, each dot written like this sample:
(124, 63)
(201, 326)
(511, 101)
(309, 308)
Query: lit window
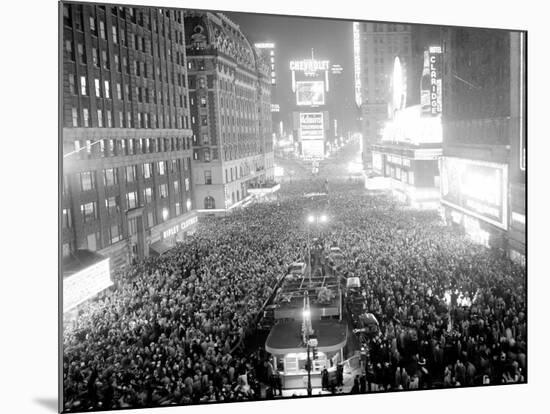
(88, 211)
(67, 222)
(163, 191)
(115, 34)
(97, 88)
(109, 177)
(74, 114)
(208, 177)
(85, 117)
(161, 167)
(115, 233)
(102, 29)
(148, 195)
(83, 88)
(131, 199)
(131, 173)
(112, 205)
(107, 90)
(100, 118)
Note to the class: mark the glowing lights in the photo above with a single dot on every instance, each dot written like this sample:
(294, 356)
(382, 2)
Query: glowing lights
(399, 87)
(188, 204)
(310, 93)
(408, 125)
(357, 62)
(323, 219)
(164, 214)
(306, 313)
(311, 219)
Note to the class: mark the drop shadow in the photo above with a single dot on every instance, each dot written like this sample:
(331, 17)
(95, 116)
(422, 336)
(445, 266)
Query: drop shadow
(49, 403)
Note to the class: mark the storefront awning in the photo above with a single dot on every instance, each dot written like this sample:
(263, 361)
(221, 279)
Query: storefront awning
(159, 247)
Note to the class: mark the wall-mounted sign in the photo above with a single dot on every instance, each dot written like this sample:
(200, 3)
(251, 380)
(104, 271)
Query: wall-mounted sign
(312, 126)
(179, 227)
(357, 62)
(85, 284)
(310, 93)
(478, 188)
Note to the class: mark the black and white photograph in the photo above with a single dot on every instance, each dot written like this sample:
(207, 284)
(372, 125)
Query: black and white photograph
(267, 207)
(271, 207)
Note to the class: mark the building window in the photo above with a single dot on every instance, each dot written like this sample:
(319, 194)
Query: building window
(148, 195)
(147, 170)
(95, 57)
(81, 54)
(97, 88)
(83, 88)
(88, 211)
(109, 120)
(93, 28)
(74, 114)
(163, 191)
(87, 180)
(207, 155)
(204, 120)
(105, 59)
(102, 29)
(107, 90)
(207, 177)
(100, 118)
(72, 84)
(112, 205)
(115, 34)
(178, 209)
(150, 219)
(85, 117)
(209, 203)
(176, 187)
(131, 200)
(115, 233)
(66, 250)
(186, 184)
(161, 167)
(67, 221)
(131, 173)
(203, 101)
(110, 177)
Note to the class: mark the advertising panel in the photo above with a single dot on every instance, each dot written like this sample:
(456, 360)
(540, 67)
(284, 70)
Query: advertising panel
(478, 188)
(85, 284)
(312, 126)
(313, 149)
(310, 93)
(431, 83)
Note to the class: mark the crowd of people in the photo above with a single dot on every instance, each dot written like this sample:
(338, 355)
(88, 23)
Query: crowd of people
(451, 313)
(169, 331)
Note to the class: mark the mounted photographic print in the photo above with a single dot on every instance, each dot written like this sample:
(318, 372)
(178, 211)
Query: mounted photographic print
(261, 207)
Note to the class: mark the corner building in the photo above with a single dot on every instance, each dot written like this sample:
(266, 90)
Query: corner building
(229, 91)
(483, 168)
(126, 137)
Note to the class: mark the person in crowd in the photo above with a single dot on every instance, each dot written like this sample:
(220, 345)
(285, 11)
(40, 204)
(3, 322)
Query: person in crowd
(171, 330)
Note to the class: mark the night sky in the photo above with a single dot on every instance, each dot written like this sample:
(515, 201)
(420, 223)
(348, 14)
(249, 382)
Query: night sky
(294, 37)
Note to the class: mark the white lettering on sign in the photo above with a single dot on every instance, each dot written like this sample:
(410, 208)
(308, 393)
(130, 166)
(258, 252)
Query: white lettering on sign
(309, 65)
(86, 284)
(179, 227)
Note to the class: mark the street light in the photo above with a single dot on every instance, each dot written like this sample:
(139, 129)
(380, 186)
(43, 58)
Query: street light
(311, 219)
(323, 219)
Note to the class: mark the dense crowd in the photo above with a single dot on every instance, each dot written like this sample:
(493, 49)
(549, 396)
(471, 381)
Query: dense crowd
(168, 333)
(451, 313)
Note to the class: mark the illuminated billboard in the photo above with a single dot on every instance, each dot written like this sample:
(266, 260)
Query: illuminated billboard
(478, 188)
(312, 126)
(310, 93)
(313, 149)
(431, 84)
(309, 66)
(357, 62)
(85, 284)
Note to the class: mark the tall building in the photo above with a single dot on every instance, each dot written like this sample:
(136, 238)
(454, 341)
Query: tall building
(483, 164)
(127, 182)
(267, 52)
(229, 90)
(376, 45)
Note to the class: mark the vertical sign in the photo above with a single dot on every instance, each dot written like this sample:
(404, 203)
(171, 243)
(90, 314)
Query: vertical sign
(435, 80)
(357, 61)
